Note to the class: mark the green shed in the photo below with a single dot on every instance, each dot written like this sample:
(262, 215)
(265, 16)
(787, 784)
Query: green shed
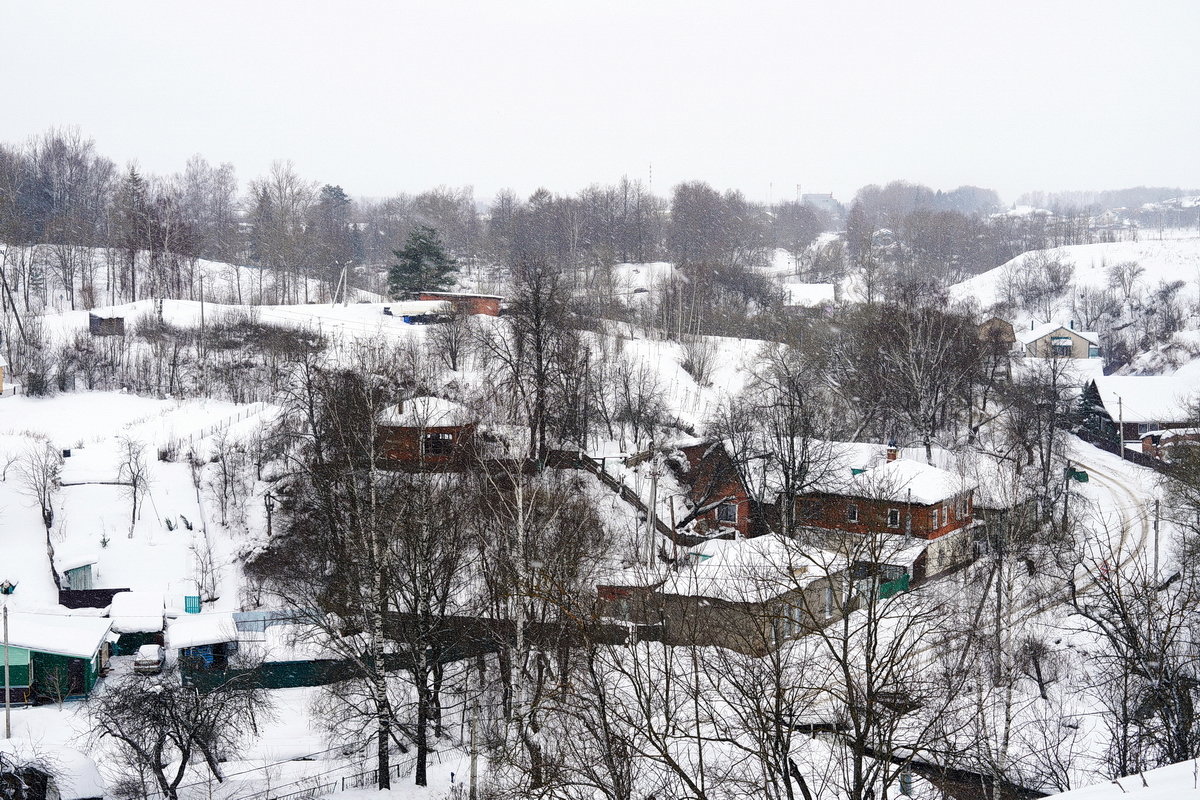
(56, 657)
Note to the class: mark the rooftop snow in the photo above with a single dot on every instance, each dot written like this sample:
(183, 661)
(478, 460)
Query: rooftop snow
(426, 412)
(1033, 334)
(196, 630)
(1147, 398)
(749, 570)
(904, 480)
(137, 612)
(77, 637)
(75, 775)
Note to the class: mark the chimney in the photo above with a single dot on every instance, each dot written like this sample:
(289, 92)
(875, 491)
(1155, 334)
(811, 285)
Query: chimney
(1071, 324)
(893, 452)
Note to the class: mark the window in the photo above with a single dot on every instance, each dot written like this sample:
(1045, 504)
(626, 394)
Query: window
(934, 519)
(437, 444)
(1093, 351)
(1060, 346)
(727, 512)
(893, 518)
(828, 602)
(852, 513)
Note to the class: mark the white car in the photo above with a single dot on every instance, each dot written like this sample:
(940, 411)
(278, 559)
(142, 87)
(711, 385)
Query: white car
(149, 659)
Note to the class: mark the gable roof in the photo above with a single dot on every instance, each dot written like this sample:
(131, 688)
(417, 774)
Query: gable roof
(1042, 331)
(1147, 398)
(76, 637)
(426, 412)
(750, 570)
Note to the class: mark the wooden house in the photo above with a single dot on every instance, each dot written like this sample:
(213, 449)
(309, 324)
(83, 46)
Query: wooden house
(1140, 404)
(427, 433)
(747, 595)
(55, 657)
(485, 304)
(1054, 340)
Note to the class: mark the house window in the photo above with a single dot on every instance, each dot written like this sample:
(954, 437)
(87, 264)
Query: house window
(852, 513)
(828, 602)
(935, 525)
(727, 512)
(1093, 351)
(1060, 346)
(437, 444)
(893, 518)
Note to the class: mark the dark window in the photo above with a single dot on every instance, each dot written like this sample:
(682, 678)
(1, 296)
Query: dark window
(437, 444)
(893, 518)
(852, 513)
(727, 512)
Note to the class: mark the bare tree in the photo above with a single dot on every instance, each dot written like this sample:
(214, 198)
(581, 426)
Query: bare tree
(158, 724)
(39, 470)
(134, 472)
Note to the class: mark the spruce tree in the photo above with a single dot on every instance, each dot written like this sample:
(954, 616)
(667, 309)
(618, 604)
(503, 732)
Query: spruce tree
(422, 264)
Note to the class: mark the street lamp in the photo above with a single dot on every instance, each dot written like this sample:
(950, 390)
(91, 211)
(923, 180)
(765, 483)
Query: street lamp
(7, 588)
(269, 504)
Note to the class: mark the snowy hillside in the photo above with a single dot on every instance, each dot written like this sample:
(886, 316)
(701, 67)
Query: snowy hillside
(1169, 259)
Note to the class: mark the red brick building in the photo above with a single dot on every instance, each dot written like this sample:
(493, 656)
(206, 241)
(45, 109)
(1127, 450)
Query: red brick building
(715, 491)
(903, 497)
(486, 304)
(897, 496)
(426, 433)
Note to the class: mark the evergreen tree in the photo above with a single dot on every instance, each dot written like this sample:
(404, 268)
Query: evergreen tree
(421, 264)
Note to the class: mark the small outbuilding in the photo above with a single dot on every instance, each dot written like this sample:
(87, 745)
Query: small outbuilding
(468, 303)
(55, 657)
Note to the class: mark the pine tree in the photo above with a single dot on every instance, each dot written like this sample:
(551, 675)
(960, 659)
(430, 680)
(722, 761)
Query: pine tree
(421, 264)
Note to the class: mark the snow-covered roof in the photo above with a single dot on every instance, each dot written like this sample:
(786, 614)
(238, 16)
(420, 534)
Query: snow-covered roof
(75, 775)
(1147, 398)
(1041, 331)
(808, 294)
(137, 612)
(438, 293)
(82, 560)
(196, 630)
(908, 481)
(413, 308)
(76, 637)
(426, 412)
(749, 570)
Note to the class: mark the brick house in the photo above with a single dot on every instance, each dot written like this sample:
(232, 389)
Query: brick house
(426, 433)
(486, 304)
(901, 497)
(716, 494)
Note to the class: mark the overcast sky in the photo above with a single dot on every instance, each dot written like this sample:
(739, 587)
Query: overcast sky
(384, 97)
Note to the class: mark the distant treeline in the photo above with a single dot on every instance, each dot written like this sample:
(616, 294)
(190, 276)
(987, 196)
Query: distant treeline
(61, 202)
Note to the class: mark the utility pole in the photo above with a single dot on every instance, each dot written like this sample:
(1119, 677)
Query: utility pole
(6, 589)
(651, 509)
(7, 681)
(1156, 539)
(1121, 426)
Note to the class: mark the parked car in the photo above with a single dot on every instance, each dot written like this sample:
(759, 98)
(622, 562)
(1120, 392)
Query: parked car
(149, 659)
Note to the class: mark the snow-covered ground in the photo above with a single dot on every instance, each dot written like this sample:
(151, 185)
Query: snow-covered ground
(1168, 259)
